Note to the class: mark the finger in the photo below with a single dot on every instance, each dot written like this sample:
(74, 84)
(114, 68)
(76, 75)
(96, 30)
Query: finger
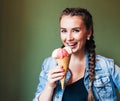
(56, 75)
(56, 79)
(56, 70)
(52, 81)
(52, 78)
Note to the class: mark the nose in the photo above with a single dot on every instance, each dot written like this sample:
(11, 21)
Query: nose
(69, 36)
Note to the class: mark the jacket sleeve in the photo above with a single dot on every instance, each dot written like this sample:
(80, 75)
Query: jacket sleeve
(47, 64)
(115, 73)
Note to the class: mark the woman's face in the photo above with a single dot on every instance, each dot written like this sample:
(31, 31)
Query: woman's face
(73, 32)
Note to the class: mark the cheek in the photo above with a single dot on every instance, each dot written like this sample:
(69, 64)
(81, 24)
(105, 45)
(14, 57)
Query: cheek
(62, 37)
(80, 38)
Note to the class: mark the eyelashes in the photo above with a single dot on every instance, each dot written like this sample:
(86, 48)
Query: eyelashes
(73, 30)
(63, 30)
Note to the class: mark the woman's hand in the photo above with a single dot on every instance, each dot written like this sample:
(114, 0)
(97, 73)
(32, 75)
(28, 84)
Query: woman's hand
(55, 74)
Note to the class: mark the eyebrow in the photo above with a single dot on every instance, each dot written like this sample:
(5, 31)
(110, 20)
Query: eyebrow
(62, 28)
(72, 28)
(76, 28)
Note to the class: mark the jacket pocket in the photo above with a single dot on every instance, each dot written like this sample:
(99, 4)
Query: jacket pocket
(103, 86)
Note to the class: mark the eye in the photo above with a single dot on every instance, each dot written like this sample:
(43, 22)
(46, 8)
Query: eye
(76, 30)
(63, 30)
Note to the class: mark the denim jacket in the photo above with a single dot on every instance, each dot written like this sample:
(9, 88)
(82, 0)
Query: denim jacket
(107, 79)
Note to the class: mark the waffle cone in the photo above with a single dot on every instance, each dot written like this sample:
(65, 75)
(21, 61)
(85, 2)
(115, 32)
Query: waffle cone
(65, 63)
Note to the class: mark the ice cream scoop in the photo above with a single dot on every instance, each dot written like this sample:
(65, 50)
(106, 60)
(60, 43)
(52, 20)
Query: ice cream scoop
(62, 56)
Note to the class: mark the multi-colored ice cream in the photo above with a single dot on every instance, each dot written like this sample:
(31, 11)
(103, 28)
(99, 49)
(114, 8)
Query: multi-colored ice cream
(62, 55)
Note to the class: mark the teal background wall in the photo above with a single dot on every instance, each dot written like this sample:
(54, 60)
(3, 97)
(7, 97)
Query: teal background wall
(29, 31)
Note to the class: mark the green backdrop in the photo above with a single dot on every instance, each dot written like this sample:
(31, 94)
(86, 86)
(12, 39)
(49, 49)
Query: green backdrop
(29, 31)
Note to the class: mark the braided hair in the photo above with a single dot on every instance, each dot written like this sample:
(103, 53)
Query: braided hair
(90, 44)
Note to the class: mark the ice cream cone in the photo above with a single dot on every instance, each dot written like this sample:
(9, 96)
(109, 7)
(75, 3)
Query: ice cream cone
(65, 63)
(62, 55)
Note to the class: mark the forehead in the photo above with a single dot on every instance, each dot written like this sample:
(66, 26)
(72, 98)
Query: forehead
(71, 21)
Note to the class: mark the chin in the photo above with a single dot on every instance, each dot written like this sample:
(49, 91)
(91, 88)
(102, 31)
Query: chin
(74, 50)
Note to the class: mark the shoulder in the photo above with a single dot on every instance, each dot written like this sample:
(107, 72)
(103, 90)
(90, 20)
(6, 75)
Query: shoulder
(48, 63)
(102, 61)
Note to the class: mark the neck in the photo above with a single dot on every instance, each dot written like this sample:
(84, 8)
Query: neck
(79, 55)
(77, 66)
(78, 60)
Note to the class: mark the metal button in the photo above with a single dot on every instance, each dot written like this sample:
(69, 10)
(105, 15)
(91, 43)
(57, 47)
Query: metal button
(57, 96)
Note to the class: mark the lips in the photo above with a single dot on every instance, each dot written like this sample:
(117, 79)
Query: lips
(72, 45)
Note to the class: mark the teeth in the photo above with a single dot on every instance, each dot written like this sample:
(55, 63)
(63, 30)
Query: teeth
(71, 44)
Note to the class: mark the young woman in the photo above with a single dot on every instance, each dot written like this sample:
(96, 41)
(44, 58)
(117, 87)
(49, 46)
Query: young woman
(90, 77)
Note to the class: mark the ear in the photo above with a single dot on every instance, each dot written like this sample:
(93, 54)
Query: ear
(89, 34)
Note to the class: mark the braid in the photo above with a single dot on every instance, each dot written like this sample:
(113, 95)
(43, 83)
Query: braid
(90, 45)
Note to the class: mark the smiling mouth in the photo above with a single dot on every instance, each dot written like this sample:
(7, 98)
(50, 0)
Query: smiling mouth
(72, 45)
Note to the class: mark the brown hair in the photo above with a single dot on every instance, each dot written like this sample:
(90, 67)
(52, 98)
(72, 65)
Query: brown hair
(90, 44)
